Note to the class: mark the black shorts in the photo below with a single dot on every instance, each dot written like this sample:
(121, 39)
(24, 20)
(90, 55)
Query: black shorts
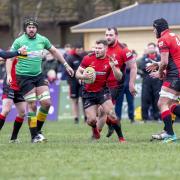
(27, 83)
(172, 83)
(115, 92)
(94, 98)
(75, 89)
(9, 93)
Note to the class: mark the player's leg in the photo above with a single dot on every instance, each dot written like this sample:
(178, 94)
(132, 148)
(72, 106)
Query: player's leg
(7, 101)
(109, 109)
(6, 107)
(21, 109)
(166, 97)
(74, 95)
(28, 90)
(44, 98)
(91, 112)
(101, 118)
(175, 109)
(114, 93)
(175, 106)
(30, 98)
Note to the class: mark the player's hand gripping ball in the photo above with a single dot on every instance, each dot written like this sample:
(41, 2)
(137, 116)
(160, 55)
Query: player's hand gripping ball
(90, 75)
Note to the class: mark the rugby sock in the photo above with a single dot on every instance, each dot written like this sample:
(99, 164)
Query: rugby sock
(117, 126)
(175, 109)
(41, 117)
(166, 117)
(2, 121)
(108, 122)
(17, 125)
(32, 121)
(173, 117)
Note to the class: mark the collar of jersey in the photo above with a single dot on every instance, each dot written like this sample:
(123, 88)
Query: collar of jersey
(165, 31)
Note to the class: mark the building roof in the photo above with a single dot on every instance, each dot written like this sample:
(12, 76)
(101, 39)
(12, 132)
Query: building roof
(134, 16)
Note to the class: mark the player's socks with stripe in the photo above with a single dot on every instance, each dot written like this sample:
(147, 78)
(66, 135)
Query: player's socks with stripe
(17, 125)
(32, 121)
(41, 117)
(166, 117)
(117, 127)
(95, 132)
(2, 121)
(175, 109)
(110, 127)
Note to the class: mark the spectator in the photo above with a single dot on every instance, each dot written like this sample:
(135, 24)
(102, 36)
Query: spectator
(74, 60)
(150, 86)
(50, 67)
(2, 70)
(68, 49)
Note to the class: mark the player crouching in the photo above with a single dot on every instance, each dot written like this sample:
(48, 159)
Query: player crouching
(94, 71)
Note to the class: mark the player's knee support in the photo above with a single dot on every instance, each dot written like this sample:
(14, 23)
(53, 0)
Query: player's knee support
(44, 96)
(30, 97)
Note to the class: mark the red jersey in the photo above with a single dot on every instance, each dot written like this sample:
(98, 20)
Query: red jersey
(14, 85)
(170, 42)
(102, 69)
(122, 54)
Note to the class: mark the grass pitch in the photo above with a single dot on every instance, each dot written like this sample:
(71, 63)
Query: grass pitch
(71, 154)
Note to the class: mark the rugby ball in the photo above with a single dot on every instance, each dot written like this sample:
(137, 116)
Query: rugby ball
(90, 70)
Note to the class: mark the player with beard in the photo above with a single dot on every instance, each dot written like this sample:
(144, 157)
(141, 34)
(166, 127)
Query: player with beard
(124, 58)
(30, 78)
(169, 71)
(95, 94)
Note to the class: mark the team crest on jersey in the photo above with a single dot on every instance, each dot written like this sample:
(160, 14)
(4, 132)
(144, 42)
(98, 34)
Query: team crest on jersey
(160, 43)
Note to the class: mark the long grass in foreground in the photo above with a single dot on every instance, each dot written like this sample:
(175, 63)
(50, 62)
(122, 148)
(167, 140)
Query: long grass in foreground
(71, 154)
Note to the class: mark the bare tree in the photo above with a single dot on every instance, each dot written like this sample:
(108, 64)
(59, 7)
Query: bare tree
(17, 15)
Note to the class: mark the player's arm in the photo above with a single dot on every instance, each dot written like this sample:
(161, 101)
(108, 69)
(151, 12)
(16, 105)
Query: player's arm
(116, 70)
(10, 54)
(130, 61)
(163, 63)
(79, 73)
(133, 72)
(164, 52)
(55, 52)
(8, 70)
